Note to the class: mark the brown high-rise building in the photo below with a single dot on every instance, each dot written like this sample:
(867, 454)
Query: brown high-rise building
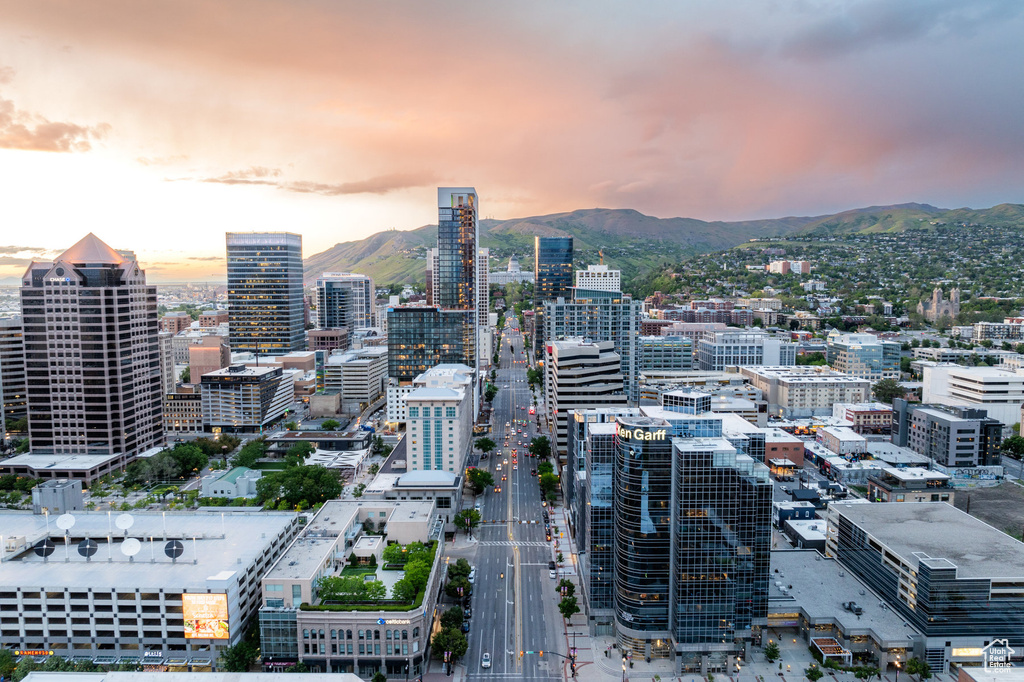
(91, 353)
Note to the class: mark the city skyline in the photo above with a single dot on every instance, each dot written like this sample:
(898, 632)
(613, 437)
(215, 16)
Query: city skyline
(265, 120)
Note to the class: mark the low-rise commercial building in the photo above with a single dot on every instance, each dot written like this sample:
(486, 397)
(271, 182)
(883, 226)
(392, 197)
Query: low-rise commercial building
(864, 356)
(912, 484)
(811, 597)
(233, 483)
(296, 626)
(158, 586)
(842, 440)
(57, 496)
(85, 468)
(959, 595)
(867, 418)
(183, 412)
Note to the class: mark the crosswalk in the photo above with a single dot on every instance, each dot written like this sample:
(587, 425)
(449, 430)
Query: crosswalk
(507, 543)
(502, 522)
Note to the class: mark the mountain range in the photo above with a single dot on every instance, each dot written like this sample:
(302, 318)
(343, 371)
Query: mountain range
(630, 240)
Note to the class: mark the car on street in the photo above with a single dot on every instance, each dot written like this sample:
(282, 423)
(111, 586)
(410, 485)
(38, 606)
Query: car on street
(465, 626)
(533, 472)
(485, 662)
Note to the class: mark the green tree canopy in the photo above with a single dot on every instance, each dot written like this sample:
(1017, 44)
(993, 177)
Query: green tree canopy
(452, 618)
(467, 520)
(540, 447)
(251, 452)
(485, 444)
(329, 425)
(238, 658)
(887, 390)
(568, 607)
(1013, 446)
(449, 640)
(298, 485)
(460, 569)
(480, 479)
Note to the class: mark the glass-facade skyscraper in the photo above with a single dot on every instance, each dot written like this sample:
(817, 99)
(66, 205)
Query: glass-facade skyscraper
(421, 337)
(552, 279)
(552, 267)
(265, 304)
(456, 248)
(692, 538)
(344, 300)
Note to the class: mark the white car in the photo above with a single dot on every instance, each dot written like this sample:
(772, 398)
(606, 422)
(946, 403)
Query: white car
(472, 576)
(486, 661)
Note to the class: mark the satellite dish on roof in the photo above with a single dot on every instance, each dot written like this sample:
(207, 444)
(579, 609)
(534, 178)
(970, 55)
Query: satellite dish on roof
(88, 547)
(44, 547)
(130, 547)
(124, 521)
(174, 549)
(65, 521)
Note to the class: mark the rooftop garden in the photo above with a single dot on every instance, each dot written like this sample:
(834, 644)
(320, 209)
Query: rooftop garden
(361, 590)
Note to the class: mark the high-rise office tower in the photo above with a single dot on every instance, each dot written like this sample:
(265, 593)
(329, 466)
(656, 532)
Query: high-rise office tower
(692, 540)
(599, 316)
(552, 279)
(91, 353)
(579, 375)
(265, 305)
(13, 403)
(344, 300)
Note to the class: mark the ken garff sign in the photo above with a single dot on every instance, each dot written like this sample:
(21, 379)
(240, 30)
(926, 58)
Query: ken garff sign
(640, 434)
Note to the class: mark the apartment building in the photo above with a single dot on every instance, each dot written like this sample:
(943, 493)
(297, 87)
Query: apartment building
(439, 427)
(599, 278)
(904, 553)
(804, 391)
(717, 350)
(441, 376)
(949, 436)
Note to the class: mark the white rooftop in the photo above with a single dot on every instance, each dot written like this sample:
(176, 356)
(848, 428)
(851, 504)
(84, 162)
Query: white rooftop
(221, 544)
(63, 462)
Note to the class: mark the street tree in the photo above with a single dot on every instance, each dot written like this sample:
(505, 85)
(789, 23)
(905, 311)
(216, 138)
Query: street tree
(452, 618)
(568, 607)
(449, 640)
(771, 652)
(467, 520)
(479, 479)
(485, 445)
(540, 447)
(920, 668)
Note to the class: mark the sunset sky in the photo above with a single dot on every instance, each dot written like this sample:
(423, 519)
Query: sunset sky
(161, 125)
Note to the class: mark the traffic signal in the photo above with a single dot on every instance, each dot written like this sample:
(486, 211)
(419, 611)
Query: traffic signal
(542, 654)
